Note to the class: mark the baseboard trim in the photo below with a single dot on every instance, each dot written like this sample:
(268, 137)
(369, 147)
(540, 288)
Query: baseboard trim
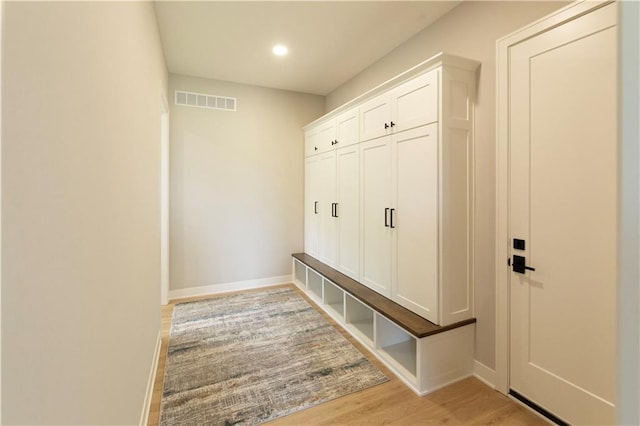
(484, 374)
(144, 416)
(228, 287)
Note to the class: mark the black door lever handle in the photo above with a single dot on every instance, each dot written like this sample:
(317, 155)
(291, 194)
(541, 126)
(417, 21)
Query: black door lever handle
(520, 265)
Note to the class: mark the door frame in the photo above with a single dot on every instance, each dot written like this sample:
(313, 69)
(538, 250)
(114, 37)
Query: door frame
(568, 13)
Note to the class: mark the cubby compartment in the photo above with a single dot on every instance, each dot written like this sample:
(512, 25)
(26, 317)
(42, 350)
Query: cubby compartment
(300, 274)
(359, 318)
(314, 284)
(334, 299)
(397, 346)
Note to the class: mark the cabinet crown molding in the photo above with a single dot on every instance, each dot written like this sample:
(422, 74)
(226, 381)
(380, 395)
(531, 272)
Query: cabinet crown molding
(440, 59)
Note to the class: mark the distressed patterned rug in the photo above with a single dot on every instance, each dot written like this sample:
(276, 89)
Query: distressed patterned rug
(252, 357)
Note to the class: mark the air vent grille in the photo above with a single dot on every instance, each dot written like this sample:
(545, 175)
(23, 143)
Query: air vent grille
(201, 100)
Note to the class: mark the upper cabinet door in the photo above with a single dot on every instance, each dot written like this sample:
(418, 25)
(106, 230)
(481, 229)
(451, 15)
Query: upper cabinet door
(326, 136)
(311, 142)
(321, 138)
(415, 103)
(375, 117)
(348, 128)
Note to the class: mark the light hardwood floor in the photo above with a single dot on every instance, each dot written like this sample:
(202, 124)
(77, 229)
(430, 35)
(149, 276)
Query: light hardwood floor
(466, 402)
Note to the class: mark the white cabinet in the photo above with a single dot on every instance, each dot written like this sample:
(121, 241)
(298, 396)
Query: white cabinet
(375, 117)
(328, 135)
(311, 201)
(348, 210)
(327, 207)
(375, 184)
(347, 128)
(411, 104)
(333, 209)
(415, 204)
(400, 218)
(402, 188)
(320, 225)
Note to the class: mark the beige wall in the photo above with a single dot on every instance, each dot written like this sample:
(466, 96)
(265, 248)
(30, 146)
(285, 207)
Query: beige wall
(237, 183)
(81, 86)
(469, 30)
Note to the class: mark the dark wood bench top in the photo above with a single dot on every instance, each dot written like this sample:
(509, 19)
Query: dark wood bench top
(411, 322)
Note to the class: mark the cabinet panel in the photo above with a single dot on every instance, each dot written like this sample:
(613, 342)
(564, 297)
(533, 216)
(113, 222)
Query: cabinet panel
(326, 136)
(374, 114)
(311, 201)
(375, 178)
(348, 128)
(327, 199)
(415, 102)
(319, 138)
(348, 196)
(415, 234)
(311, 142)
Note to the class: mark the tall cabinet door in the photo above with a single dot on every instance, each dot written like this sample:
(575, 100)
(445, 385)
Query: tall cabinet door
(415, 220)
(326, 209)
(375, 249)
(311, 205)
(348, 210)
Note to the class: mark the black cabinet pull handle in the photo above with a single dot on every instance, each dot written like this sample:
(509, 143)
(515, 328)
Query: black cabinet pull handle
(386, 212)
(386, 126)
(391, 216)
(332, 210)
(393, 124)
(336, 141)
(315, 148)
(315, 207)
(335, 209)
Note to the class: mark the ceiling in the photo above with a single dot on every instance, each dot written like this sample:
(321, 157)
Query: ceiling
(329, 41)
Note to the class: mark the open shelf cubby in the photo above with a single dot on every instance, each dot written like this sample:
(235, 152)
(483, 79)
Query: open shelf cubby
(300, 274)
(423, 355)
(334, 298)
(397, 345)
(314, 284)
(360, 318)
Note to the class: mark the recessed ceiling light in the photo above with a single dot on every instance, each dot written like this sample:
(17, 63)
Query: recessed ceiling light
(280, 50)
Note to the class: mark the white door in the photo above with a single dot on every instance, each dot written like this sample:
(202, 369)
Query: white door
(311, 204)
(415, 220)
(326, 136)
(562, 205)
(348, 210)
(327, 209)
(375, 181)
(311, 142)
(348, 128)
(375, 117)
(415, 102)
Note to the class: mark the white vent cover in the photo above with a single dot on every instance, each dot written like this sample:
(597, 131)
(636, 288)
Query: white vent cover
(200, 100)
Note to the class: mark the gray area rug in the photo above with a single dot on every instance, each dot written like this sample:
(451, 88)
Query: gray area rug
(253, 357)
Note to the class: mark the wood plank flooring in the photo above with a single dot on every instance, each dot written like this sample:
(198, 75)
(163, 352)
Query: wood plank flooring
(466, 402)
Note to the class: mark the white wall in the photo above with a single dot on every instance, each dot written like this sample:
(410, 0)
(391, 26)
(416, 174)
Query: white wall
(237, 184)
(81, 84)
(469, 30)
